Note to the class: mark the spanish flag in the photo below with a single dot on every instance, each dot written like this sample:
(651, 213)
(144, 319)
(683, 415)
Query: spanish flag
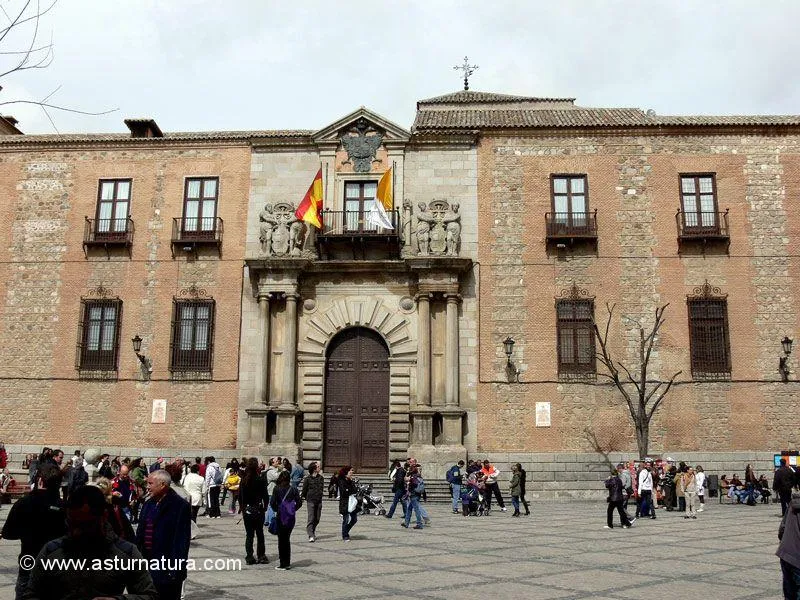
(310, 209)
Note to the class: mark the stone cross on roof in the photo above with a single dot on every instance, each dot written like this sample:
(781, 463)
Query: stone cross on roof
(468, 70)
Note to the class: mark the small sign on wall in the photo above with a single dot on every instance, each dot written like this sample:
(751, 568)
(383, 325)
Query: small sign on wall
(159, 411)
(543, 414)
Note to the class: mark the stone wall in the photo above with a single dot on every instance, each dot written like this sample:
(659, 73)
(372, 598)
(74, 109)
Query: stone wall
(48, 194)
(633, 182)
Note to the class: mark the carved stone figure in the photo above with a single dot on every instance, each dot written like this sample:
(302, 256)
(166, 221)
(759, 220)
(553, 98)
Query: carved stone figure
(268, 223)
(424, 221)
(361, 143)
(438, 229)
(453, 221)
(281, 234)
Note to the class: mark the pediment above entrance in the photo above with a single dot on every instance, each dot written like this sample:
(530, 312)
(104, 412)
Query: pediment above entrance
(362, 120)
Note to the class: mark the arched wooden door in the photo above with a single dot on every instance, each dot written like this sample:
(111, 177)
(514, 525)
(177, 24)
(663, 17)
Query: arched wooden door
(357, 402)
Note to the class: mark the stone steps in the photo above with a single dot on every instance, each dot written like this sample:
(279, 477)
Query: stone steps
(437, 490)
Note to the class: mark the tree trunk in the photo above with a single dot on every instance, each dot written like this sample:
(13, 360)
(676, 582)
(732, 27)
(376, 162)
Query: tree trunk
(642, 437)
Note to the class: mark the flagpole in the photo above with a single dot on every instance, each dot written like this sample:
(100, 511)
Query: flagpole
(394, 208)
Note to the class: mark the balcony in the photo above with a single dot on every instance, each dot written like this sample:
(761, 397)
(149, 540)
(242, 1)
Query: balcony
(107, 234)
(571, 227)
(349, 234)
(703, 229)
(191, 233)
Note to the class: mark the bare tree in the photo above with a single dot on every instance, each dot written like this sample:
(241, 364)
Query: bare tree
(642, 395)
(24, 22)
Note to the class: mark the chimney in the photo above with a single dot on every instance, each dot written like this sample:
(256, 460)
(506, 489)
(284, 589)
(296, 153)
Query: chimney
(8, 125)
(143, 128)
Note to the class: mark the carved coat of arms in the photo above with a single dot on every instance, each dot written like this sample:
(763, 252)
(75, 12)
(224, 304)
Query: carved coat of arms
(361, 143)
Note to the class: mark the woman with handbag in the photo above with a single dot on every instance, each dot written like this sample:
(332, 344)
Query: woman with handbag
(348, 501)
(253, 501)
(285, 502)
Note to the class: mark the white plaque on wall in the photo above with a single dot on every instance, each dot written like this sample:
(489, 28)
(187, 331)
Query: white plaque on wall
(543, 414)
(160, 411)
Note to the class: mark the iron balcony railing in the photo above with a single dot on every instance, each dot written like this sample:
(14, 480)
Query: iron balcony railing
(346, 223)
(698, 225)
(206, 230)
(571, 225)
(108, 232)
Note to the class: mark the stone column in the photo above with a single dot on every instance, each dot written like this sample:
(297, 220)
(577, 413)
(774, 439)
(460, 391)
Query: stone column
(290, 362)
(263, 357)
(451, 352)
(424, 350)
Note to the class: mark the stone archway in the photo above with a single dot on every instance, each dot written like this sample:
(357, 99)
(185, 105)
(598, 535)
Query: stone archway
(356, 414)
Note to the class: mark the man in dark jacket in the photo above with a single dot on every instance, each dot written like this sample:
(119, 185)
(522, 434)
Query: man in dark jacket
(88, 539)
(399, 490)
(313, 488)
(782, 483)
(614, 485)
(789, 548)
(36, 519)
(455, 479)
(164, 533)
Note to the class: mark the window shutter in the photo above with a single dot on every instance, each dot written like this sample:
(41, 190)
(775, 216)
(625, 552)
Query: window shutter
(213, 310)
(174, 342)
(79, 358)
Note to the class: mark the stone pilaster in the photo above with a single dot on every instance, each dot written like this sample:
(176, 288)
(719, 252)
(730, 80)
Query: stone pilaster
(424, 350)
(451, 351)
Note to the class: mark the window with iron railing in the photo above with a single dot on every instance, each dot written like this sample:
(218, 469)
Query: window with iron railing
(98, 334)
(200, 206)
(358, 198)
(708, 336)
(192, 345)
(113, 206)
(699, 203)
(570, 201)
(575, 331)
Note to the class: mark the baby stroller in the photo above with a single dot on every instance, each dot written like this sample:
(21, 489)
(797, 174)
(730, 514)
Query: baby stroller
(368, 502)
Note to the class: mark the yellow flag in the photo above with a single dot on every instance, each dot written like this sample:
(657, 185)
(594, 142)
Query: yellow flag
(384, 193)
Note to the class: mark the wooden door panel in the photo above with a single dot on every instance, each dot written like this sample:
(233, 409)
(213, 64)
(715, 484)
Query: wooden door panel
(357, 392)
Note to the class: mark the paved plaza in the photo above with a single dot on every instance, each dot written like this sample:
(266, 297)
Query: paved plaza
(560, 551)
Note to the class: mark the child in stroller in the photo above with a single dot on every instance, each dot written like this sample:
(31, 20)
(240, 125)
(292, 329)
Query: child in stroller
(473, 503)
(368, 502)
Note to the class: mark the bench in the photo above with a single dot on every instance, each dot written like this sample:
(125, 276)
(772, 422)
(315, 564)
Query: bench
(15, 491)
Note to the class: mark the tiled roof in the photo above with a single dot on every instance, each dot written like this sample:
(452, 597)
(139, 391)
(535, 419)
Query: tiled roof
(470, 97)
(178, 136)
(580, 117)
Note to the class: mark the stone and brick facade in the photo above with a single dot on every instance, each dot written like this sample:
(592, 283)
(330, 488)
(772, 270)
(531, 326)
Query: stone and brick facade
(469, 262)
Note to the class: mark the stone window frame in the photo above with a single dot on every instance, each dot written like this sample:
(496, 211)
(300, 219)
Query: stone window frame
(200, 200)
(111, 232)
(569, 177)
(191, 364)
(698, 223)
(575, 324)
(709, 334)
(98, 364)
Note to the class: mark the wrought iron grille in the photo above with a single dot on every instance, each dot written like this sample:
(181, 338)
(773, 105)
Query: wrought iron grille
(576, 351)
(108, 231)
(708, 336)
(98, 335)
(197, 229)
(353, 222)
(192, 343)
(571, 224)
(692, 224)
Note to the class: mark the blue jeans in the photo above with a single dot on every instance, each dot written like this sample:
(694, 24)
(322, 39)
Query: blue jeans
(791, 581)
(398, 496)
(515, 503)
(413, 504)
(456, 489)
(348, 521)
(645, 510)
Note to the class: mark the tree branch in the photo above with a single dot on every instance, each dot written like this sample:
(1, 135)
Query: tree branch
(657, 403)
(56, 107)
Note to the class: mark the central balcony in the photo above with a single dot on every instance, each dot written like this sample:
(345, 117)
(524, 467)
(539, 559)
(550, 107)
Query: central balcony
(351, 235)
(191, 233)
(108, 234)
(571, 228)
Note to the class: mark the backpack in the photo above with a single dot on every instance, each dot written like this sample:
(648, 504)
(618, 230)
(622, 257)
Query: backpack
(419, 485)
(287, 509)
(218, 476)
(451, 475)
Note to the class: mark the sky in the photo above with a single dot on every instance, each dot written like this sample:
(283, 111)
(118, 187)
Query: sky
(252, 65)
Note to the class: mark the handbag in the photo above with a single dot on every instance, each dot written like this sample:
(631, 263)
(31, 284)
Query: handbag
(273, 525)
(352, 503)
